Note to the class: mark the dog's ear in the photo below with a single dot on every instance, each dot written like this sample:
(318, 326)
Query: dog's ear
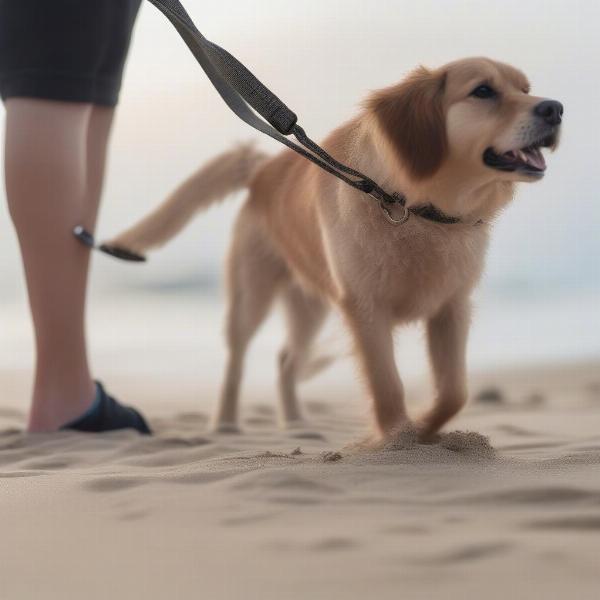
(411, 115)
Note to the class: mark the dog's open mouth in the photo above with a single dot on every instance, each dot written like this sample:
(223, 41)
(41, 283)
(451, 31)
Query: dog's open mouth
(528, 160)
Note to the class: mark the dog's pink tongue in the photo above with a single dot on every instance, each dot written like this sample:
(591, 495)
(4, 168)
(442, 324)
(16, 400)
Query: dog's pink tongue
(536, 159)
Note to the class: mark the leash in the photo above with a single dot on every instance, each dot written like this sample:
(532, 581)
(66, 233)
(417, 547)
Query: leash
(248, 98)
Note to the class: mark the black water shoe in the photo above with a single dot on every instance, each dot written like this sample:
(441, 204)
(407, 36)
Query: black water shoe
(106, 414)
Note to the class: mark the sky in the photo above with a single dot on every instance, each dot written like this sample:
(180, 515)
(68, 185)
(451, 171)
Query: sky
(322, 58)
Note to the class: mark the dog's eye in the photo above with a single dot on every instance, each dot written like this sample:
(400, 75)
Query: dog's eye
(484, 92)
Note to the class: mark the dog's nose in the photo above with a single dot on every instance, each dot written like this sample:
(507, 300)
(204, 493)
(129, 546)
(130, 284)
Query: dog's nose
(551, 111)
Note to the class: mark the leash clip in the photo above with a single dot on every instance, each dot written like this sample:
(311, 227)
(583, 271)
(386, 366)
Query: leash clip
(87, 239)
(398, 200)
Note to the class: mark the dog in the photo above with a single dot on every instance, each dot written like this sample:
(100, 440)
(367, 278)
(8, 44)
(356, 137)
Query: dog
(456, 139)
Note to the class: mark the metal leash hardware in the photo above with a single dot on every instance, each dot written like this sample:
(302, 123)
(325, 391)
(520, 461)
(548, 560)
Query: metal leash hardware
(386, 202)
(386, 205)
(87, 239)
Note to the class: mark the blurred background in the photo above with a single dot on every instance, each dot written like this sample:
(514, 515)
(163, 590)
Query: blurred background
(539, 300)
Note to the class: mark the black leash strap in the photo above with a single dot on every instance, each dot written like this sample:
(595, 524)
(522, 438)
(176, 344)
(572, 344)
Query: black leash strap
(242, 92)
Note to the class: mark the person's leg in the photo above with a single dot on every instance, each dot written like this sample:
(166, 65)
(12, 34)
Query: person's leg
(99, 128)
(55, 155)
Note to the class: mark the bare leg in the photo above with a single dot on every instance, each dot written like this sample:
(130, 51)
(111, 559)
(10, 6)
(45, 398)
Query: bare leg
(305, 315)
(374, 345)
(54, 169)
(254, 275)
(447, 337)
(99, 129)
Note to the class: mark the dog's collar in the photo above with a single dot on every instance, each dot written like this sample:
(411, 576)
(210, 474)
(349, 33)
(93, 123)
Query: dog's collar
(426, 211)
(432, 213)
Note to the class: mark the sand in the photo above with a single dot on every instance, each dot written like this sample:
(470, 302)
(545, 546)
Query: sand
(505, 505)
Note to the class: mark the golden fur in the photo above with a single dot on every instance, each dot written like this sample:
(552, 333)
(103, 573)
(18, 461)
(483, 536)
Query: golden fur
(315, 242)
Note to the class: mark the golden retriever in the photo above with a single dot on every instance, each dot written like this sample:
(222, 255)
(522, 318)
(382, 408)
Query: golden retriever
(458, 138)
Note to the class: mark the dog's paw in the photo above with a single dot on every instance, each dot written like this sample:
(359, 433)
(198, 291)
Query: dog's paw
(427, 430)
(401, 435)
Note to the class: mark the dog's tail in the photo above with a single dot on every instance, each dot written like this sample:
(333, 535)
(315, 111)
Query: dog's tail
(213, 182)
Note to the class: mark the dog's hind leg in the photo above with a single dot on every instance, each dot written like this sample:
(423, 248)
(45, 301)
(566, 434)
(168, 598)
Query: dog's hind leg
(305, 314)
(254, 275)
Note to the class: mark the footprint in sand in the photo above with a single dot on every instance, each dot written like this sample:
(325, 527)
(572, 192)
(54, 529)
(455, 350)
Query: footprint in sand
(469, 553)
(113, 484)
(260, 420)
(531, 446)
(174, 441)
(246, 520)
(134, 515)
(192, 417)
(308, 435)
(491, 396)
(280, 487)
(334, 544)
(11, 439)
(534, 400)
(516, 430)
(53, 464)
(406, 530)
(593, 389)
(325, 545)
(201, 477)
(296, 500)
(161, 443)
(19, 474)
(582, 523)
(10, 431)
(538, 496)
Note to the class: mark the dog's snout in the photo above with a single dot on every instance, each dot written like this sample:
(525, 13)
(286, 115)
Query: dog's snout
(550, 110)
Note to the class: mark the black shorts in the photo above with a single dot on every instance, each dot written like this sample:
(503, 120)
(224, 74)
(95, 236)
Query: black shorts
(70, 50)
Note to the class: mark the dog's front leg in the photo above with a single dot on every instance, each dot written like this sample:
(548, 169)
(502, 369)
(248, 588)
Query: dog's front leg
(374, 347)
(447, 334)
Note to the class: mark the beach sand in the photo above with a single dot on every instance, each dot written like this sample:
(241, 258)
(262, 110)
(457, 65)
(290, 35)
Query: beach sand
(506, 505)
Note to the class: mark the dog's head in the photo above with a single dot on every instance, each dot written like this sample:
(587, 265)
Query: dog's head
(475, 114)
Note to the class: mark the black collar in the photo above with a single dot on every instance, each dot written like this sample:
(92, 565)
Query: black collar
(432, 213)
(426, 211)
